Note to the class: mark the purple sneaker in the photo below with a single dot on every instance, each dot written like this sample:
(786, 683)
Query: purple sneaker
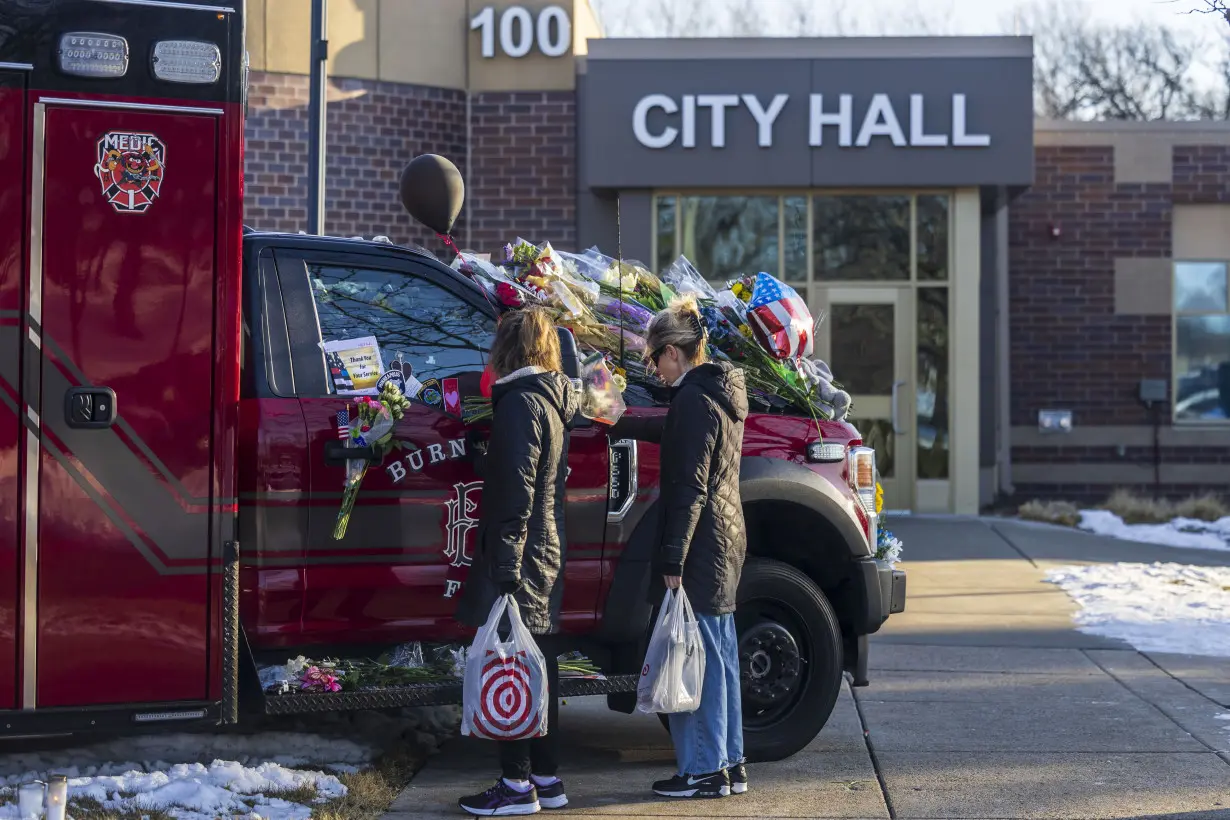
(501, 800)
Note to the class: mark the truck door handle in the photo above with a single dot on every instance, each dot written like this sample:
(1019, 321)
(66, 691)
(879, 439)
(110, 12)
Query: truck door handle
(337, 454)
(89, 408)
(896, 427)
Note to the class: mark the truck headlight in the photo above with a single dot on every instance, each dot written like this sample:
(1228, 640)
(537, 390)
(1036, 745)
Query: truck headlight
(862, 469)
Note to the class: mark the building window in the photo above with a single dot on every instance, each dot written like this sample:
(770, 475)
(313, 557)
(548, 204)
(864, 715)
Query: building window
(807, 239)
(1201, 342)
(862, 238)
(726, 236)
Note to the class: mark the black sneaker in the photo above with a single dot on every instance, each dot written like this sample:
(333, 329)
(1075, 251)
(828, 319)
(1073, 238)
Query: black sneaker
(738, 779)
(705, 785)
(552, 796)
(501, 800)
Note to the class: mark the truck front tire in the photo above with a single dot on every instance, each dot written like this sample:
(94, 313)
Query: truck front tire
(790, 654)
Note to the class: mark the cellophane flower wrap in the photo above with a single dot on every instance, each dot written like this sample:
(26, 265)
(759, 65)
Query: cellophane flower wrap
(608, 305)
(371, 423)
(601, 397)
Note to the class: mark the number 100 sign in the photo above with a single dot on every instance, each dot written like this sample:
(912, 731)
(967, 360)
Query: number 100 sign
(520, 32)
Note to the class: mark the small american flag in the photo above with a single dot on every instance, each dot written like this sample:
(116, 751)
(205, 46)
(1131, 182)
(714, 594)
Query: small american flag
(343, 424)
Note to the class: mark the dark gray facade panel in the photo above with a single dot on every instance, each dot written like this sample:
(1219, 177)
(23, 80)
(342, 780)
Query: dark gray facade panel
(911, 142)
(597, 225)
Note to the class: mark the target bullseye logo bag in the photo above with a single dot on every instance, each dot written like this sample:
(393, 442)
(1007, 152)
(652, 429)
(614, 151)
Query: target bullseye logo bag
(504, 694)
(675, 661)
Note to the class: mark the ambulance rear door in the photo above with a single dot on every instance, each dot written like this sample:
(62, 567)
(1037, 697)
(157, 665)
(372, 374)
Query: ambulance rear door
(129, 236)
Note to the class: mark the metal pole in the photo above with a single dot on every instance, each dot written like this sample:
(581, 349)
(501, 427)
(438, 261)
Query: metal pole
(317, 106)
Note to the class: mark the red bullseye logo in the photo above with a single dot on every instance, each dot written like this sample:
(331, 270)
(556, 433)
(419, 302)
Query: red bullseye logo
(508, 707)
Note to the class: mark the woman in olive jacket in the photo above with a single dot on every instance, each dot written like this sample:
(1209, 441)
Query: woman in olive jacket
(702, 538)
(521, 544)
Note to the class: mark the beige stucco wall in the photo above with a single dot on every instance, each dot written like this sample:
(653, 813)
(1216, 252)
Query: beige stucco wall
(424, 42)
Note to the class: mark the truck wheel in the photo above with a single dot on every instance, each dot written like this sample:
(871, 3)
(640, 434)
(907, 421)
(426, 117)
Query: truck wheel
(790, 654)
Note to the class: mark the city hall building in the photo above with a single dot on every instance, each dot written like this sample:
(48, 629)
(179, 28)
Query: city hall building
(1020, 309)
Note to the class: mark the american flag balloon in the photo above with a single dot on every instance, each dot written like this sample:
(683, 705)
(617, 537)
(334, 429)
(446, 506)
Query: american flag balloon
(780, 319)
(343, 424)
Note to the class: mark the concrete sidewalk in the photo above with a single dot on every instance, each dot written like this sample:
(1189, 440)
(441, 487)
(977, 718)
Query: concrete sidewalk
(984, 703)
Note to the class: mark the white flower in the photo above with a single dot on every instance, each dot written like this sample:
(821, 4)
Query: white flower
(295, 667)
(890, 550)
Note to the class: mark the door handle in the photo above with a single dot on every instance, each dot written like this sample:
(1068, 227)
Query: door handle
(337, 454)
(89, 408)
(896, 427)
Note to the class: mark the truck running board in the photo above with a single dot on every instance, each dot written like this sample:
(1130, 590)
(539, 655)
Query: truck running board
(424, 694)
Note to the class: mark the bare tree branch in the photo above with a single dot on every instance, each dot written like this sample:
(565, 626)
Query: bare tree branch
(1090, 71)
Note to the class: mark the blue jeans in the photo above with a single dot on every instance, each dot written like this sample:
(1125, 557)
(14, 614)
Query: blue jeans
(711, 738)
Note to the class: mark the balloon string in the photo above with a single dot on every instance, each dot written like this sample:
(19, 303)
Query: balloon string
(448, 241)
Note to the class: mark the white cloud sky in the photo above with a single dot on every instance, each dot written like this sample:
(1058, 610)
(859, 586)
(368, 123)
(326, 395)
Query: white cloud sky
(946, 16)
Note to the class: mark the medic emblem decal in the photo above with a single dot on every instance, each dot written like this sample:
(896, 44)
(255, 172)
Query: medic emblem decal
(130, 168)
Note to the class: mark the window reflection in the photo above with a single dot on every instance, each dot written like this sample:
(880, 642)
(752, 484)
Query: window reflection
(1200, 287)
(878, 434)
(1202, 368)
(726, 236)
(666, 232)
(862, 348)
(794, 215)
(437, 334)
(932, 388)
(862, 238)
(932, 215)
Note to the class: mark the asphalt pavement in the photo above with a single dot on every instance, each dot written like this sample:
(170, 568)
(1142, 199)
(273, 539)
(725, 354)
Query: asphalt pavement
(984, 703)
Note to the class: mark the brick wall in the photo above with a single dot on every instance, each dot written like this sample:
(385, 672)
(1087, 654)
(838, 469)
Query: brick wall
(523, 182)
(1201, 174)
(1069, 349)
(524, 177)
(374, 129)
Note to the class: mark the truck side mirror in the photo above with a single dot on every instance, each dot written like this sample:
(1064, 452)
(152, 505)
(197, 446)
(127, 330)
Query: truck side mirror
(570, 356)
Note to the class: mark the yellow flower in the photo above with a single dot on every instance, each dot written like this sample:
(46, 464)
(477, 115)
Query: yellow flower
(879, 498)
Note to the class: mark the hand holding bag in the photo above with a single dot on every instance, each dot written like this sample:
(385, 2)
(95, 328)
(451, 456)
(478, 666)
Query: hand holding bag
(504, 694)
(675, 661)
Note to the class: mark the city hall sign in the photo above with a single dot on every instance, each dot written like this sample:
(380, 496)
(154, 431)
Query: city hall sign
(662, 121)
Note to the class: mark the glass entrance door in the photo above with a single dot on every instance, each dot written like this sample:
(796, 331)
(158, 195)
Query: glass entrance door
(866, 336)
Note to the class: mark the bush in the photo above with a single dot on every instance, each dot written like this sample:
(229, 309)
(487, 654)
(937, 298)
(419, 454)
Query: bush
(1202, 508)
(1134, 509)
(1051, 512)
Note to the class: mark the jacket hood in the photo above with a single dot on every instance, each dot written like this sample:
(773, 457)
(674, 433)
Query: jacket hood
(554, 386)
(724, 383)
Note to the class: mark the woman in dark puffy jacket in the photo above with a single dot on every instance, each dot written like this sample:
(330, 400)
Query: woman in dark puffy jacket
(521, 545)
(702, 539)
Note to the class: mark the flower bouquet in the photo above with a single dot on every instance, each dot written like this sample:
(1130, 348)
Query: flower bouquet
(756, 322)
(888, 546)
(370, 425)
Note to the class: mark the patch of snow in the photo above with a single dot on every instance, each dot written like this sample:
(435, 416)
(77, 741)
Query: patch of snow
(1154, 607)
(193, 791)
(1181, 532)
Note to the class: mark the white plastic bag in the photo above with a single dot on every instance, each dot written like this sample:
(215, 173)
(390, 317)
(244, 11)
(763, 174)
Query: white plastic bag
(504, 695)
(675, 661)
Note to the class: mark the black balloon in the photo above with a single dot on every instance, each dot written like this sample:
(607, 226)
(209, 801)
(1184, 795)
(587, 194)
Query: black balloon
(432, 191)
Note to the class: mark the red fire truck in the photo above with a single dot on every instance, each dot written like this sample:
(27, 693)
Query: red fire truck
(169, 435)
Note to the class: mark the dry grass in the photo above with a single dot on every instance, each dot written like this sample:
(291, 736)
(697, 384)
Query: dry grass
(1135, 509)
(1202, 508)
(85, 808)
(1051, 512)
(369, 793)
